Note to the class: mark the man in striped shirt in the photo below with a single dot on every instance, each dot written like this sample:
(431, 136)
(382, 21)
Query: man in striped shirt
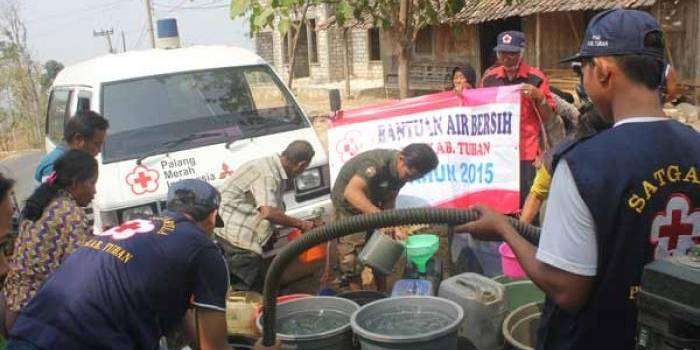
(252, 205)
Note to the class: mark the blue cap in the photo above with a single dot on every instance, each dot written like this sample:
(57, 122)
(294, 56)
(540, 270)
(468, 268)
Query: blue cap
(619, 32)
(510, 41)
(200, 194)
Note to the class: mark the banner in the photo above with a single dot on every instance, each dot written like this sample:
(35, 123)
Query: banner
(476, 137)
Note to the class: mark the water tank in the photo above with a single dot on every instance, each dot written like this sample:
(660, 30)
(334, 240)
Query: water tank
(168, 37)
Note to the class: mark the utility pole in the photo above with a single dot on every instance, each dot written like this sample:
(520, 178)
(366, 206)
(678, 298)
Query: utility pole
(149, 18)
(123, 42)
(105, 33)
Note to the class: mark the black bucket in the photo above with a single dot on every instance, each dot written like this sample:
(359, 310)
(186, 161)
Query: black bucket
(362, 297)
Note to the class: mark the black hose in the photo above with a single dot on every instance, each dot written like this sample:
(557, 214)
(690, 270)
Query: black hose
(361, 223)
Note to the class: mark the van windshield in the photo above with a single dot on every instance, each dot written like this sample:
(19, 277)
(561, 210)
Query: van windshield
(192, 109)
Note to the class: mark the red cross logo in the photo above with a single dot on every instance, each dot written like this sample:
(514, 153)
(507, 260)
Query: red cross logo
(128, 229)
(133, 225)
(225, 171)
(348, 147)
(507, 39)
(142, 180)
(677, 228)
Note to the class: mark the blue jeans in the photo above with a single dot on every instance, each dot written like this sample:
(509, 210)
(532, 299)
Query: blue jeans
(16, 344)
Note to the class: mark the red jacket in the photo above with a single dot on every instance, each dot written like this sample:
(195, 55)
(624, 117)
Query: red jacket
(530, 124)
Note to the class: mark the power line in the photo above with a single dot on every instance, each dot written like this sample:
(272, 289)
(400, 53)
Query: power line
(174, 8)
(68, 14)
(206, 6)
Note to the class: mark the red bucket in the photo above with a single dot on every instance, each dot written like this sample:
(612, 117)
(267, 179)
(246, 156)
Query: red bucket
(311, 255)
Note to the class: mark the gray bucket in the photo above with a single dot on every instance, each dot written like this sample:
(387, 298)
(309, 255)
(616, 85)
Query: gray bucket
(381, 252)
(338, 337)
(365, 324)
(520, 327)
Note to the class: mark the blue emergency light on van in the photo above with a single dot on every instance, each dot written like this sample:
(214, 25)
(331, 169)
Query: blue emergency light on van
(167, 28)
(412, 287)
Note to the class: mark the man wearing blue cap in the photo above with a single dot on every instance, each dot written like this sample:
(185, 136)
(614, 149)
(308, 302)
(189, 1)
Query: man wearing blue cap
(130, 285)
(619, 199)
(537, 104)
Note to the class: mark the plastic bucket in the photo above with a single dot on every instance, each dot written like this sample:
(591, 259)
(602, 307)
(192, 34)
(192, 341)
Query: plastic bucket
(241, 311)
(362, 297)
(282, 299)
(310, 255)
(511, 266)
(368, 328)
(520, 292)
(381, 252)
(520, 327)
(313, 309)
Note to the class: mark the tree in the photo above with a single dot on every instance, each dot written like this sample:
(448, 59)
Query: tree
(402, 19)
(20, 83)
(280, 15)
(51, 69)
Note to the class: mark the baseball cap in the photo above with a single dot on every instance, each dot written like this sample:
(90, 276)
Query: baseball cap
(510, 41)
(201, 195)
(618, 32)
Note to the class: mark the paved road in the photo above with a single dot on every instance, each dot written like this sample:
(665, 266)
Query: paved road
(21, 167)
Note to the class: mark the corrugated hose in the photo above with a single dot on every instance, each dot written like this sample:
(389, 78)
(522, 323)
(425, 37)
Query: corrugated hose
(361, 223)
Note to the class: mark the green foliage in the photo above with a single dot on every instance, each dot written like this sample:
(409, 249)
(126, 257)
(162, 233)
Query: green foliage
(51, 69)
(239, 7)
(262, 16)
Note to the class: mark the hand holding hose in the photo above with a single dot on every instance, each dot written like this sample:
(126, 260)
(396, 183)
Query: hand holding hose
(488, 227)
(307, 225)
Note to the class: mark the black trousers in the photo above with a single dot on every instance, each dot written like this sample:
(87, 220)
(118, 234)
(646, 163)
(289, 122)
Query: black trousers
(246, 268)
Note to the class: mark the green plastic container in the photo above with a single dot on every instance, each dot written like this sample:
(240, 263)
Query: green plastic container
(520, 292)
(420, 248)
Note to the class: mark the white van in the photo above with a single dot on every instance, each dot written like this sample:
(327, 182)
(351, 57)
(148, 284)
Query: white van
(195, 112)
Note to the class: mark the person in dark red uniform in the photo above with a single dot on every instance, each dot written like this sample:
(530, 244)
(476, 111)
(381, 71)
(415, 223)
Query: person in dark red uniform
(537, 104)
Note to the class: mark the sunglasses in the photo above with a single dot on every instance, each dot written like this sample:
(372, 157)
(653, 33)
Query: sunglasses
(578, 69)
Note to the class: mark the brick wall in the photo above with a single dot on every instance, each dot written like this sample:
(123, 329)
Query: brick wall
(264, 46)
(319, 70)
(329, 43)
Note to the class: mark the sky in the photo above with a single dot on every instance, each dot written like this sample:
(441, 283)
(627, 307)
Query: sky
(62, 30)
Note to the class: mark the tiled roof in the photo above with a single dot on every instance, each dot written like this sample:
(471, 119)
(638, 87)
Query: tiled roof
(478, 11)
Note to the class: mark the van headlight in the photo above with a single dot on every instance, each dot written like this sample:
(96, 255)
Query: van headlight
(309, 180)
(142, 212)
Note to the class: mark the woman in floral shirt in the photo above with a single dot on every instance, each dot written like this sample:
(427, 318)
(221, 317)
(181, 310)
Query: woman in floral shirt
(6, 212)
(53, 226)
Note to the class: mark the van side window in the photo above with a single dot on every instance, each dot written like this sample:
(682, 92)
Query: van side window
(57, 114)
(266, 95)
(84, 98)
